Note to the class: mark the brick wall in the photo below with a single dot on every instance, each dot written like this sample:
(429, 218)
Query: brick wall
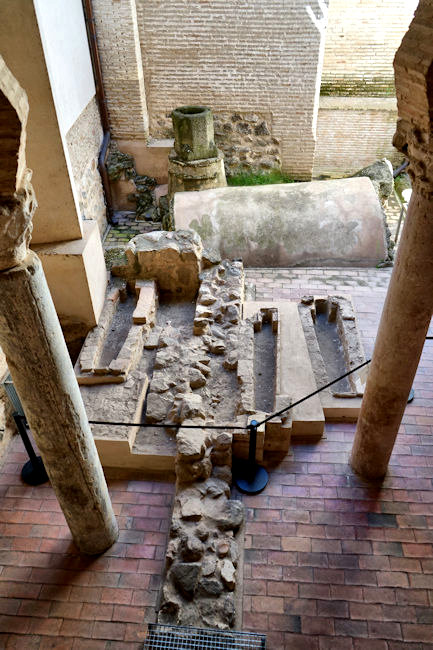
(353, 132)
(84, 140)
(235, 56)
(122, 70)
(361, 40)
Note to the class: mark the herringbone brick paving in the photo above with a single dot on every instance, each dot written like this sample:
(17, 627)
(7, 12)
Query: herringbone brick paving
(330, 562)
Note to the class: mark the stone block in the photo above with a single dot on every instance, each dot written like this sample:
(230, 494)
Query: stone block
(172, 259)
(146, 304)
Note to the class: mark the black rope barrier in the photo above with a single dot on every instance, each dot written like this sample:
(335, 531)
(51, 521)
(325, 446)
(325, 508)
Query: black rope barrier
(319, 390)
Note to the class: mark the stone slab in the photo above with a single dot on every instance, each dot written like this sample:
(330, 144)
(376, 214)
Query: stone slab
(146, 304)
(332, 223)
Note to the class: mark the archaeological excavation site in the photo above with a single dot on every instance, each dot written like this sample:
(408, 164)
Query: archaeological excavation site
(215, 325)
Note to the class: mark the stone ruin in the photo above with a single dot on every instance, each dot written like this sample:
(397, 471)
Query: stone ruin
(195, 163)
(179, 344)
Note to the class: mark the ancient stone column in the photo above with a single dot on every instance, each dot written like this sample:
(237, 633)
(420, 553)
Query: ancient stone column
(36, 353)
(409, 302)
(194, 163)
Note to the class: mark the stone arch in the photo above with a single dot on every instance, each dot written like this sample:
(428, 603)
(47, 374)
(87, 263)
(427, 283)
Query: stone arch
(13, 120)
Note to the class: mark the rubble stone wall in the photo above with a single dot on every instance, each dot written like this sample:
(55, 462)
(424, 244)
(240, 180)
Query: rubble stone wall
(84, 140)
(243, 56)
(353, 132)
(361, 40)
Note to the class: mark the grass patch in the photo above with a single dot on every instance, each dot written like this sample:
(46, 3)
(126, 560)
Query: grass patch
(259, 178)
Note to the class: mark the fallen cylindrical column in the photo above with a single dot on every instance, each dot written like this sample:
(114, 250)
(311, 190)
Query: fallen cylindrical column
(329, 223)
(38, 360)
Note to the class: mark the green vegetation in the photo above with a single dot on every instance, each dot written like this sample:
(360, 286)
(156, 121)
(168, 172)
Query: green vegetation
(259, 178)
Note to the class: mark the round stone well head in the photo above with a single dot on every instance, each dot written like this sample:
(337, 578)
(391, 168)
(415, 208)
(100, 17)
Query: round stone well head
(193, 133)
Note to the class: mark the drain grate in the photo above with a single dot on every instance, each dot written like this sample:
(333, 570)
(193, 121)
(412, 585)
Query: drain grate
(173, 637)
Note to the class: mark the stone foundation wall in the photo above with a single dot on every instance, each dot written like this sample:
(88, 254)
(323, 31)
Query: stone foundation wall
(361, 40)
(353, 133)
(236, 57)
(84, 140)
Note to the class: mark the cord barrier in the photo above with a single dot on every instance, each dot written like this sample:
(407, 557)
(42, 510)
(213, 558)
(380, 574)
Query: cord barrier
(170, 425)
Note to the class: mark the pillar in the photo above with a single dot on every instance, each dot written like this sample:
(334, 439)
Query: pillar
(36, 353)
(409, 303)
(38, 360)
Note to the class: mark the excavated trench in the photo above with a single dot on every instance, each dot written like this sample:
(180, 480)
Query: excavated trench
(331, 348)
(265, 356)
(119, 328)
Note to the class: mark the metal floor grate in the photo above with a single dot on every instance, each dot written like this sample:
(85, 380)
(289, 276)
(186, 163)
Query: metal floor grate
(174, 637)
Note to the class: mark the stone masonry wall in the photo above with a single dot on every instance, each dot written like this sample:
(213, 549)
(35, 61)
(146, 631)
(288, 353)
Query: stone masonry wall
(243, 56)
(361, 40)
(353, 132)
(84, 140)
(244, 138)
(122, 70)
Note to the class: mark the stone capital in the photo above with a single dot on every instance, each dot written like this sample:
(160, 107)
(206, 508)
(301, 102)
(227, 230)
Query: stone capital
(417, 146)
(16, 226)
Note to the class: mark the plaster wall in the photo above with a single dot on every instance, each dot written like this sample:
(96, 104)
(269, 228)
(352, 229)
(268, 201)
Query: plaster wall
(76, 275)
(56, 218)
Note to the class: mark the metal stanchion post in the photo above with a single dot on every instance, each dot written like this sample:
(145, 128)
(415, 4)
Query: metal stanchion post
(253, 478)
(33, 472)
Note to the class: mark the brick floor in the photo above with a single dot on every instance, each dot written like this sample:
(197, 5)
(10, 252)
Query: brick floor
(332, 562)
(50, 596)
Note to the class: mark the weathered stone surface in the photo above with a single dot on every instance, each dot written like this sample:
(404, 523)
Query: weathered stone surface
(185, 576)
(289, 225)
(191, 407)
(381, 175)
(158, 405)
(193, 132)
(210, 587)
(172, 259)
(228, 573)
(208, 566)
(229, 517)
(196, 378)
(190, 444)
(191, 548)
(42, 373)
(146, 304)
(192, 508)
